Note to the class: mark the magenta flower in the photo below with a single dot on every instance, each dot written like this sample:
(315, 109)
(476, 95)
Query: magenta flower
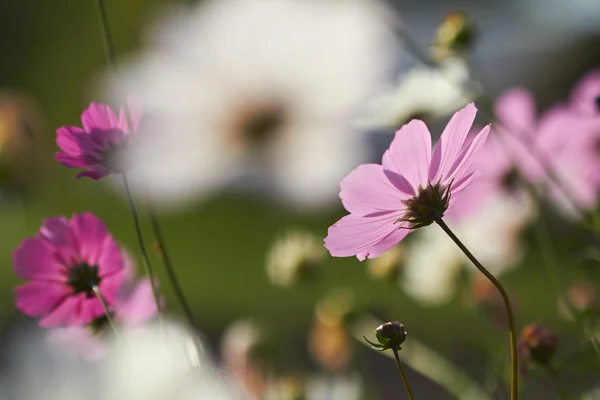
(412, 188)
(99, 145)
(64, 263)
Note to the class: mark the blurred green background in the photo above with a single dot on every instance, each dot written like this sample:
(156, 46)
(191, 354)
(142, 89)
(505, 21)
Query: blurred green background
(52, 51)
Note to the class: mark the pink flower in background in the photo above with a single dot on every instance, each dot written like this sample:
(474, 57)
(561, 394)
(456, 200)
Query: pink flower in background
(63, 262)
(134, 304)
(411, 188)
(585, 96)
(99, 145)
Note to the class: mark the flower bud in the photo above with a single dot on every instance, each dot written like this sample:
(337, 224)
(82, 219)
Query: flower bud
(455, 35)
(537, 344)
(390, 336)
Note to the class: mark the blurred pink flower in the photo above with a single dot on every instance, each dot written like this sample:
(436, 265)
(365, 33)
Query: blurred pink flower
(410, 188)
(134, 304)
(98, 146)
(63, 263)
(585, 96)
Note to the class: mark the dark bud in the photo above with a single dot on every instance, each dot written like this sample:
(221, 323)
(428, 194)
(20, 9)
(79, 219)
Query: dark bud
(537, 344)
(389, 335)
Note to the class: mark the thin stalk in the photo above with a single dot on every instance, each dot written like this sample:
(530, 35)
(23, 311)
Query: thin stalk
(104, 305)
(140, 238)
(403, 375)
(560, 390)
(514, 390)
(109, 48)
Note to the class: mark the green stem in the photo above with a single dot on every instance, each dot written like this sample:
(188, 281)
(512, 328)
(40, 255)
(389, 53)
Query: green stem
(562, 394)
(140, 238)
(170, 270)
(104, 305)
(514, 391)
(403, 375)
(109, 48)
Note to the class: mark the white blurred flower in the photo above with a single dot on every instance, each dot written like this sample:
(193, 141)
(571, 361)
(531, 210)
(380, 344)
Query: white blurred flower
(334, 387)
(386, 265)
(423, 92)
(256, 93)
(433, 261)
(292, 257)
(160, 363)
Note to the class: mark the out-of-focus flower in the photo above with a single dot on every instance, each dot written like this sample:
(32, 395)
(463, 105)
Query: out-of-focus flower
(425, 93)
(585, 96)
(491, 233)
(334, 387)
(242, 344)
(293, 257)
(98, 146)
(66, 262)
(257, 94)
(19, 129)
(410, 190)
(286, 388)
(161, 362)
(536, 344)
(455, 36)
(134, 304)
(329, 341)
(581, 297)
(387, 265)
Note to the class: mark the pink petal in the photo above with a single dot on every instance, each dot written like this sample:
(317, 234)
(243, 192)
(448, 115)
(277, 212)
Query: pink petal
(111, 284)
(34, 260)
(367, 190)
(58, 234)
(463, 162)
(87, 309)
(585, 93)
(37, 299)
(449, 147)
(409, 154)
(461, 184)
(71, 161)
(65, 314)
(95, 173)
(385, 244)
(99, 117)
(110, 259)
(358, 235)
(75, 141)
(123, 123)
(135, 114)
(515, 109)
(90, 232)
(137, 306)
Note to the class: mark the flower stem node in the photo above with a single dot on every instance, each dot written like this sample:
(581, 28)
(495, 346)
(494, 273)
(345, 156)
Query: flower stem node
(428, 206)
(389, 335)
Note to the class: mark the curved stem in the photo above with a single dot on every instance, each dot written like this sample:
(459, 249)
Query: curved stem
(170, 270)
(554, 378)
(511, 319)
(140, 238)
(106, 37)
(102, 301)
(403, 375)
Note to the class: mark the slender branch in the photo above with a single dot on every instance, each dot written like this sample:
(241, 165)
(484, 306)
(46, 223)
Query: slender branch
(170, 270)
(104, 305)
(140, 238)
(514, 391)
(109, 48)
(403, 375)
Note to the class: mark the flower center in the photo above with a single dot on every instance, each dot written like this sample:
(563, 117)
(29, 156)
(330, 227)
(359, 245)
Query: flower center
(258, 124)
(82, 278)
(510, 180)
(429, 205)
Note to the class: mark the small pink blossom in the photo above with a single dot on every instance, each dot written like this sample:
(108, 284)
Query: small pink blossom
(63, 262)
(99, 145)
(134, 304)
(410, 189)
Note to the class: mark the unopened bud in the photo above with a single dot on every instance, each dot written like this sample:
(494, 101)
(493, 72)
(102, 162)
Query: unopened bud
(390, 336)
(537, 344)
(455, 35)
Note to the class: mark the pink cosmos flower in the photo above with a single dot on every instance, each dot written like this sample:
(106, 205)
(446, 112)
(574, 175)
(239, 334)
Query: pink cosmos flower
(63, 262)
(134, 304)
(99, 145)
(412, 188)
(585, 96)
